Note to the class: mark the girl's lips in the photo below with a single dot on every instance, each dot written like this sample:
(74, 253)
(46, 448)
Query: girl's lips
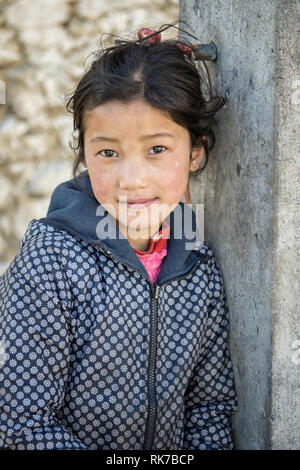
(140, 205)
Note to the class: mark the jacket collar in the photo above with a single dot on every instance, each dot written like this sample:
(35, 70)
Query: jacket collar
(75, 209)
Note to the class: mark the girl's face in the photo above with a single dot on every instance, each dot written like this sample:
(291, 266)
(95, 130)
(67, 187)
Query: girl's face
(134, 151)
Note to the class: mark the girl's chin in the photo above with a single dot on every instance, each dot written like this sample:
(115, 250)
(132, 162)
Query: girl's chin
(136, 229)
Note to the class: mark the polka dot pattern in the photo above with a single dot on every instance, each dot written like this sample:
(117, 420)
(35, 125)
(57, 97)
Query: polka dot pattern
(74, 340)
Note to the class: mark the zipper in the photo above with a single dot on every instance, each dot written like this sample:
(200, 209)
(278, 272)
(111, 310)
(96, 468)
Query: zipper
(151, 418)
(155, 291)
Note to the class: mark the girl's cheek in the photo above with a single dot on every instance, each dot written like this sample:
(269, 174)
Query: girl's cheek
(177, 174)
(101, 186)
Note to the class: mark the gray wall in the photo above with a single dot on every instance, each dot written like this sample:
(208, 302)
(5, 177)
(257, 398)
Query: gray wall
(250, 196)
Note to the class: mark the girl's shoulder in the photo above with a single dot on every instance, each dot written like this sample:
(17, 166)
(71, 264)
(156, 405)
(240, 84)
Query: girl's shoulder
(44, 249)
(43, 237)
(207, 253)
(203, 247)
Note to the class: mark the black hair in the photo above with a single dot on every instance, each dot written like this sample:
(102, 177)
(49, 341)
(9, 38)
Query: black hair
(162, 74)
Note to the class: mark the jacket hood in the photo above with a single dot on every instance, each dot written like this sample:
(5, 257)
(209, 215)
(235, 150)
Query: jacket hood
(74, 209)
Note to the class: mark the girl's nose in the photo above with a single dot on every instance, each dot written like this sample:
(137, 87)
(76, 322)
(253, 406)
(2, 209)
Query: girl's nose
(132, 174)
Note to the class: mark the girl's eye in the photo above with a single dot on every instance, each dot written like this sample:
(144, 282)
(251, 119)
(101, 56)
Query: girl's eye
(109, 153)
(160, 147)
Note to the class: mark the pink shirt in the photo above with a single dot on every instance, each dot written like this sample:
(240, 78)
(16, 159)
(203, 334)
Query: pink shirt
(153, 258)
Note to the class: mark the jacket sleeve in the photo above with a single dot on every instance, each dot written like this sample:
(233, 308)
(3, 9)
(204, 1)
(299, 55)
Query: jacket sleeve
(210, 398)
(35, 336)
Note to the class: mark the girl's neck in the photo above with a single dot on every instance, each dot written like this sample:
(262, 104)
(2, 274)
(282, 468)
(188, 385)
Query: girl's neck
(140, 244)
(139, 241)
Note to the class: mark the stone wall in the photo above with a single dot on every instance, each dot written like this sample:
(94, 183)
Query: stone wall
(43, 46)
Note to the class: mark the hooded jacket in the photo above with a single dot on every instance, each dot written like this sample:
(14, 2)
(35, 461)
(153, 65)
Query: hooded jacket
(93, 355)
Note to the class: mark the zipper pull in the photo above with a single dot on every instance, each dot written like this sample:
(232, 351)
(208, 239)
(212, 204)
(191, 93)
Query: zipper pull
(157, 290)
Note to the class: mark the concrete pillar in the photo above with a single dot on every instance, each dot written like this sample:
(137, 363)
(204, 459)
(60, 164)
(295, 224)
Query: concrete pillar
(250, 192)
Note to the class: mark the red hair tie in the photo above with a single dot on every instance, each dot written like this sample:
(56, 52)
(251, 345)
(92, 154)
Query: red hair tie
(144, 32)
(187, 49)
(156, 39)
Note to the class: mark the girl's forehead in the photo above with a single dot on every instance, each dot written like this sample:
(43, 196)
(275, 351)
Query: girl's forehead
(138, 109)
(135, 111)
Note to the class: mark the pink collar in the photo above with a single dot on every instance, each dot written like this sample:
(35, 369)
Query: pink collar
(158, 240)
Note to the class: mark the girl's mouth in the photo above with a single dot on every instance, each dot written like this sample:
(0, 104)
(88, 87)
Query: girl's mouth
(140, 204)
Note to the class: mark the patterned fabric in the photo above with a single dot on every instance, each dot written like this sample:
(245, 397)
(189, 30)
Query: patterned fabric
(95, 356)
(153, 258)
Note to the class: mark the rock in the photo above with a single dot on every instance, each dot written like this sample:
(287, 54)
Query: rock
(37, 14)
(3, 267)
(83, 30)
(39, 145)
(48, 176)
(5, 226)
(2, 243)
(33, 90)
(5, 193)
(20, 169)
(1, 16)
(34, 145)
(11, 124)
(53, 84)
(2, 94)
(50, 38)
(64, 125)
(25, 212)
(27, 101)
(94, 9)
(10, 52)
(11, 131)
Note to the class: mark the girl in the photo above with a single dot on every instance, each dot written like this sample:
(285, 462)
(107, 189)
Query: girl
(114, 334)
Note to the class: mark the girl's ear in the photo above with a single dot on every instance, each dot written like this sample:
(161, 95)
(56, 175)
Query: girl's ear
(198, 154)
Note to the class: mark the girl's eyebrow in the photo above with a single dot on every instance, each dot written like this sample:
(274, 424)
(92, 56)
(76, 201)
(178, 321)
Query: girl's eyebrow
(144, 137)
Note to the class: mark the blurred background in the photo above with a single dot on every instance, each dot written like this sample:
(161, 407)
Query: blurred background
(44, 49)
